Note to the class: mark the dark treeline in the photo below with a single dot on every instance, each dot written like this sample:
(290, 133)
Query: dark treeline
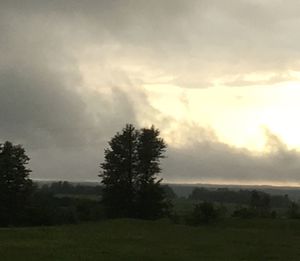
(129, 187)
(240, 197)
(45, 208)
(68, 188)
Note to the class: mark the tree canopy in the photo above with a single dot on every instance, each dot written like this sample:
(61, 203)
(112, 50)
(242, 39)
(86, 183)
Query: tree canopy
(15, 184)
(129, 174)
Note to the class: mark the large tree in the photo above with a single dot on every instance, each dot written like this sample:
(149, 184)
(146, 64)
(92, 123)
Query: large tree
(15, 184)
(150, 194)
(129, 174)
(119, 173)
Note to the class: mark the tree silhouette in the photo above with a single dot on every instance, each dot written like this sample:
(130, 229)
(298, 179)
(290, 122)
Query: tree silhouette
(15, 185)
(132, 161)
(119, 173)
(260, 202)
(293, 211)
(203, 213)
(150, 194)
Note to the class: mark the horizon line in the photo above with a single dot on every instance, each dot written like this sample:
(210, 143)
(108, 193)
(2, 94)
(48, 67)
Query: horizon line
(195, 183)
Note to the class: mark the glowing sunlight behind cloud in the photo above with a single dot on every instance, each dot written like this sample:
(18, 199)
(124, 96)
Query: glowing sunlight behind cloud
(237, 115)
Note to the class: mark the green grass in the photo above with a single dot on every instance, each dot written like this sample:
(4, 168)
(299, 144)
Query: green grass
(145, 240)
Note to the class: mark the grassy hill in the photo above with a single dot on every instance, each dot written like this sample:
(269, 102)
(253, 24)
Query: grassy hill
(159, 240)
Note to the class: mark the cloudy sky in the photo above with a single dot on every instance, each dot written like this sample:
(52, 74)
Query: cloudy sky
(220, 79)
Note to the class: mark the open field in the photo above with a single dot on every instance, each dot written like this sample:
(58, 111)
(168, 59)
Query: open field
(159, 240)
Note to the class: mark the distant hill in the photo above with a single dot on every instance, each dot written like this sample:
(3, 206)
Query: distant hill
(184, 190)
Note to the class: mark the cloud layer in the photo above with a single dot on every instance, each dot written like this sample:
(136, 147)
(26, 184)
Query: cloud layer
(71, 74)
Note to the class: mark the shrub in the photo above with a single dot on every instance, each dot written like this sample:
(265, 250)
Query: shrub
(203, 213)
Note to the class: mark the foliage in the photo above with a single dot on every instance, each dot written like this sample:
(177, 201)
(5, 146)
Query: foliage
(119, 174)
(260, 203)
(293, 210)
(47, 209)
(244, 212)
(203, 213)
(67, 188)
(258, 206)
(129, 174)
(257, 199)
(15, 185)
(169, 192)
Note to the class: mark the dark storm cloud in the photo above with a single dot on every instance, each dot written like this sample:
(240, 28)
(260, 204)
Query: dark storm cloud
(35, 106)
(194, 41)
(37, 99)
(213, 161)
(44, 102)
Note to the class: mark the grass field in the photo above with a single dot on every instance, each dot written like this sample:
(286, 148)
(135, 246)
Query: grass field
(159, 240)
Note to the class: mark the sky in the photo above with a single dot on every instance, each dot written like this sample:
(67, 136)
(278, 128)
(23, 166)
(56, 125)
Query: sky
(220, 79)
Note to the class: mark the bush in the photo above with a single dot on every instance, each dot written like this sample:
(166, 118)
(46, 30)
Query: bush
(293, 211)
(244, 213)
(252, 213)
(203, 213)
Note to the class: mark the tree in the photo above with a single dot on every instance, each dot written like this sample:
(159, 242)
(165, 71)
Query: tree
(132, 161)
(15, 184)
(260, 203)
(293, 211)
(119, 173)
(169, 192)
(203, 213)
(150, 194)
